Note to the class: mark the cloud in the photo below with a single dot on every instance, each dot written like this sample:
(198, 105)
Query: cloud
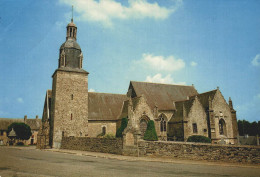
(19, 100)
(256, 60)
(161, 63)
(105, 11)
(193, 63)
(91, 90)
(159, 79)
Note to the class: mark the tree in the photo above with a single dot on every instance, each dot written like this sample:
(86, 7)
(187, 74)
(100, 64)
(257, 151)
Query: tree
(253, 129)
(198, 138)
(121, 128)
(22, 130)
(150, 133)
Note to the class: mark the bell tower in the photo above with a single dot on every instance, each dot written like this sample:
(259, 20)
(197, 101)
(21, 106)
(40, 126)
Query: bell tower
(69, 105)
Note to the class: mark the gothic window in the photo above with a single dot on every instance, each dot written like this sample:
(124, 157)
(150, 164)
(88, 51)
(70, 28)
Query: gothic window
(143, 126)
(222, 127)
(104, 130)
(194, 127)
(163, 123)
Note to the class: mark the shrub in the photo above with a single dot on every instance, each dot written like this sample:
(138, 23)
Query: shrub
(100, 135)
(22, 130)
(109, 136)
(20, 144)
(199, 138)
(150, 133)
(122, 127)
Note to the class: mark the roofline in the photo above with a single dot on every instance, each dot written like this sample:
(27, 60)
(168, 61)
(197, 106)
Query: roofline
(108, 93)
(162, 83)
(207, 92)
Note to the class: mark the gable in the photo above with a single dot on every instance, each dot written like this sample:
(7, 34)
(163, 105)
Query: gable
(161, 95)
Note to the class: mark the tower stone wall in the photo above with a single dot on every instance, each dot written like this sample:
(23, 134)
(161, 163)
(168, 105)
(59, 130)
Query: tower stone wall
(69, 112)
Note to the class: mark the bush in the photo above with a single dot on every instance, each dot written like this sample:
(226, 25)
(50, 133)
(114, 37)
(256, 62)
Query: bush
(109, 136)
(199, 138)
(100, 135)
(20, 144)
(150, 133)
(22, 130)
(121, 128)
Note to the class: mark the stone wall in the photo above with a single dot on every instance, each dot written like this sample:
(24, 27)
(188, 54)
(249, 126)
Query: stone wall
(105, 145)
(200, 151)
(95, 127)
(69, 110)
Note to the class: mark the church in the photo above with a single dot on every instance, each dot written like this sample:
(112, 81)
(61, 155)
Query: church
(178, 111)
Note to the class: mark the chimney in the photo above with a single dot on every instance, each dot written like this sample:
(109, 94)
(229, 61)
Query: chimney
(25, 118)
(37, 117)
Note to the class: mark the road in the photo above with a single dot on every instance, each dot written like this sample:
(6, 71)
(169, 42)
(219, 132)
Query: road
(28, 162)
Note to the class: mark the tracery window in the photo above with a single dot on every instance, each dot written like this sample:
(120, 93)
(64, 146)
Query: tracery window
(163, 123)
(222, 127)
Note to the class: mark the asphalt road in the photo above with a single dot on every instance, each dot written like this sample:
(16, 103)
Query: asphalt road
(28, 162)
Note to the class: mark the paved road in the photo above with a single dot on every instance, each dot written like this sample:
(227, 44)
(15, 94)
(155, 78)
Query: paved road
(31, 162)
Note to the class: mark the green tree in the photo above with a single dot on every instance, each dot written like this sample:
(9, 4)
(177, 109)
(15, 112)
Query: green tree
(253, 129)
(121, 128)
(240, 127)
(198, 138)
(150, 133)
(22, 130)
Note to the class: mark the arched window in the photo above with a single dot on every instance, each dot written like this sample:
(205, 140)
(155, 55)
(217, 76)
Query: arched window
(222, 127)
(143, 124)
(163, 123)
(104, 130)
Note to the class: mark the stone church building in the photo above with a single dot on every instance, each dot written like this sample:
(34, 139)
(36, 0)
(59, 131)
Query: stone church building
(178, 111)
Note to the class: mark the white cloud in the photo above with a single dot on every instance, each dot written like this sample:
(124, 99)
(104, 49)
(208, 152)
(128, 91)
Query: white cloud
(256, 60)
(105, 11)
(193, 63)
(91, 90)
(161, 63)
(19, 100)
(159, 79)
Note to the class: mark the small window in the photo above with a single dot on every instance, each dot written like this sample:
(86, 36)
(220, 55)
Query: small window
(194, 127)
(71, 116)
(71, 96)
(62, 133)
(104, 130)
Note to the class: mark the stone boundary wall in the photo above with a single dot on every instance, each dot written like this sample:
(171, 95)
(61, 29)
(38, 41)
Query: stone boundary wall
(105, 145)
(200, 151)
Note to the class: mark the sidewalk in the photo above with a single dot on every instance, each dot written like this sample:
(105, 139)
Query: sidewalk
(149, 159)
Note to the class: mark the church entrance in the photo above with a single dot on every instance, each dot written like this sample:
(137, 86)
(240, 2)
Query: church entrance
(143, 125)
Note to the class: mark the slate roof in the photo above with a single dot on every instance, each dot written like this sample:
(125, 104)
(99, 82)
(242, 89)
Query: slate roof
(33, 123)
(105, 106)
(5, 122)
(162, 95)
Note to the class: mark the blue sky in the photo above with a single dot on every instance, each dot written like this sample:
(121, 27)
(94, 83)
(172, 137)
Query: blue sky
(205, 43)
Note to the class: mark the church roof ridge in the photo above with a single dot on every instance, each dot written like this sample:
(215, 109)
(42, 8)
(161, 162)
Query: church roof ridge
(161, 83)
(107, 93)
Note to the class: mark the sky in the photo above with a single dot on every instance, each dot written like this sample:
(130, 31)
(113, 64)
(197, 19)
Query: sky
(206, 43)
